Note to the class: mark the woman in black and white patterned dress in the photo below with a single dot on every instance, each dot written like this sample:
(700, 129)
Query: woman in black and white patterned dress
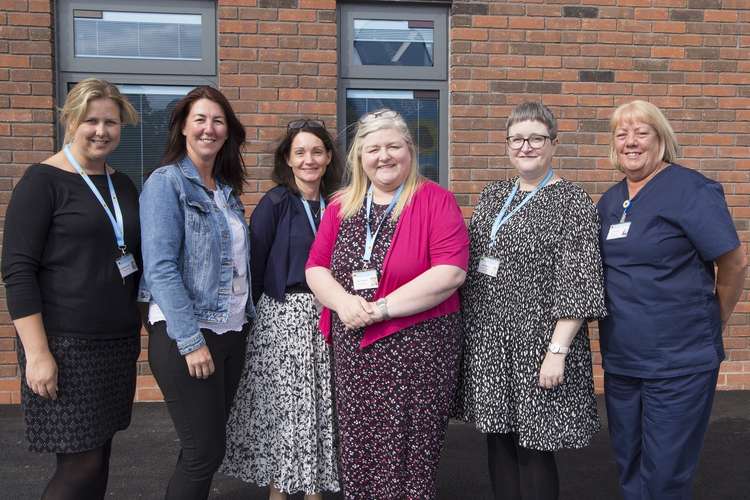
(534, 277)
(280, 430)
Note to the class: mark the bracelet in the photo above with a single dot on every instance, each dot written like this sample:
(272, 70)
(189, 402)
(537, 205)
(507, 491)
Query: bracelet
(382, 304)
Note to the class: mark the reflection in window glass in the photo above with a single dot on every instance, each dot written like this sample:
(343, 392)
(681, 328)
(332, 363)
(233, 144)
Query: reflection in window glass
(136, 35)
(142, 145)
(393, 43)
(420, 109)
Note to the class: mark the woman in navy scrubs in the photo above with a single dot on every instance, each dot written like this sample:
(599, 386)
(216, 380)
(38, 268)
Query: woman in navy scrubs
(663, 228)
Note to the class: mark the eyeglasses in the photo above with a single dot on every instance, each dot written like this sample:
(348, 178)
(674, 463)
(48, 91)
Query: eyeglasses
(535, 141)
(381, 113)
(305, 123)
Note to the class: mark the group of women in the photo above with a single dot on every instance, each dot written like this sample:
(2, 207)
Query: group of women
(424, 319)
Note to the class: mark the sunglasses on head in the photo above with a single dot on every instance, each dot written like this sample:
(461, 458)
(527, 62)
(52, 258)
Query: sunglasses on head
(305, 123)
(382, 113)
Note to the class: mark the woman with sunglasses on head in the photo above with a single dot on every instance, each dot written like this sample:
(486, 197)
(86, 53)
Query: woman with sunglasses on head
(389, 257)
(197, 281)
(280, 429)
(535, 277)
(71, 253)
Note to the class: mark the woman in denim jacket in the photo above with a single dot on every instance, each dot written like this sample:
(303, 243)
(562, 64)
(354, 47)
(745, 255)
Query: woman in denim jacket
(197, 280)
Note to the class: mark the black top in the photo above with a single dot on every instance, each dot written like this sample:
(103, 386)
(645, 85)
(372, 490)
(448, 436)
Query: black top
(280, 240)
(59, 253)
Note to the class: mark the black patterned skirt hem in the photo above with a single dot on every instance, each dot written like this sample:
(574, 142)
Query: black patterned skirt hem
(96, 383)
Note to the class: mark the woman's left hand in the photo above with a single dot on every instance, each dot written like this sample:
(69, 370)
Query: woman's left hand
(552, 371)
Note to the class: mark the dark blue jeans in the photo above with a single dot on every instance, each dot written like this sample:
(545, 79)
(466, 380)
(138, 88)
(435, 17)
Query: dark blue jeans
(199, 407)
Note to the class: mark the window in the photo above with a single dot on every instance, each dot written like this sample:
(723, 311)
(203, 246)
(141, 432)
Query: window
(396, 57)
(154, 51)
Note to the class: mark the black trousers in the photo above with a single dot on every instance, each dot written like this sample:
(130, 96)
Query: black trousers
(199, 407)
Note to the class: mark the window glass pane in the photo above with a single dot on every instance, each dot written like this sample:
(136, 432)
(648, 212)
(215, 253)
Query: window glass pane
(393, 43)
(420, 109)
(137, 35)
(142, 145)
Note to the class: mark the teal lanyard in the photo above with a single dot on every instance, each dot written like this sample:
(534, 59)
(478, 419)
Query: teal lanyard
(116, 219)
(370, 236)
(308, 211)
(502, 217)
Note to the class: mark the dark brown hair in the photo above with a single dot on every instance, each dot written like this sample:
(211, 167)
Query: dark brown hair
(229, 167)
(284, 176)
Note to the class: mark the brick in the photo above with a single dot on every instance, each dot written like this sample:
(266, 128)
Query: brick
(297, 15)
(686, 15)
(722, 16)
(596, 76)
(473, 9)
(702, 53)
(29, 19)
(704, 4)
(580, 12)
(14, 61)
(278, 4)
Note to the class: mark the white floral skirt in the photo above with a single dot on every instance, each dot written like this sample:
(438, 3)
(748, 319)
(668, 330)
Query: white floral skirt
(280, 429)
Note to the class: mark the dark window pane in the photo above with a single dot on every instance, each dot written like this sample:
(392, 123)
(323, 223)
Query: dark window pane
(393, 43)
(420, 109)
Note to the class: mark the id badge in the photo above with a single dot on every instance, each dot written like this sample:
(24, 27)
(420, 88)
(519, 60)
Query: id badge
(617, 231)
(126, 264)
(365, 279)
(488, 266)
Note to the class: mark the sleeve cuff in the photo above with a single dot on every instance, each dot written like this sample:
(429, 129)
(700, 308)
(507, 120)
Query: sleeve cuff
(190, 344)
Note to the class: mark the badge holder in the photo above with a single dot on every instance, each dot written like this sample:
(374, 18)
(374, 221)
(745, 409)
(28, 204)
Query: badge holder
(126, 263)
(489, 266)
(620, 230)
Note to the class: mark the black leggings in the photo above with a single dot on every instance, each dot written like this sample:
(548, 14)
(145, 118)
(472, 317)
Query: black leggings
(519, 473)
(80, 476)
(199, 407)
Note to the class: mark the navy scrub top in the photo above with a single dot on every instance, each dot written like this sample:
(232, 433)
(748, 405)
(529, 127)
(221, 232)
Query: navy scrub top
(664, 318)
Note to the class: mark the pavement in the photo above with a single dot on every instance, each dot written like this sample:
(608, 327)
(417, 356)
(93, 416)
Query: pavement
(143, 457)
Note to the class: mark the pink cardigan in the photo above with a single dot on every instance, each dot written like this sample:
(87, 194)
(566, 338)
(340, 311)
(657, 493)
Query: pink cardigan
(430, 232)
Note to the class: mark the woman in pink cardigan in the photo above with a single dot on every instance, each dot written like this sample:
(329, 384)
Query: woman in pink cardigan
(391, 252)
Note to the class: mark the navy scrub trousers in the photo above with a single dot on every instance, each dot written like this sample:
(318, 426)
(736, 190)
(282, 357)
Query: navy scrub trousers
(656, 428)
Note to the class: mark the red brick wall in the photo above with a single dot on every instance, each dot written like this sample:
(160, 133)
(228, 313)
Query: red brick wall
(26, 127)
(278, 61)
(689, 57)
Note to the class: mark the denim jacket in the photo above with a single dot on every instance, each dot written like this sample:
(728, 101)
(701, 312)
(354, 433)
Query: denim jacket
(187, 252)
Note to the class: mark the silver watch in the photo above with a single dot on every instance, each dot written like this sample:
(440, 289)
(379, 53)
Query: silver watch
(382, 304)
(555, 348)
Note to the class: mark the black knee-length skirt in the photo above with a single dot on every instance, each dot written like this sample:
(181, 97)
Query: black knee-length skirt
(96, 385)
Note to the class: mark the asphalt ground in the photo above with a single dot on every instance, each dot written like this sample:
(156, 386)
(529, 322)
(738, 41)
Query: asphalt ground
(143, 457)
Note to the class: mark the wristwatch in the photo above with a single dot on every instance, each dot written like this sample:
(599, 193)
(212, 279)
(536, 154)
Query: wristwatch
(382, 304)
(555, 348)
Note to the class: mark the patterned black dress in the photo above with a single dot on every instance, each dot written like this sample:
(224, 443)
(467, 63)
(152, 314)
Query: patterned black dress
(550, 268)
(394, 396)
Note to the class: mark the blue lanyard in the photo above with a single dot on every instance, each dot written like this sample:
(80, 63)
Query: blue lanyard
(116, 220)
(309, 213)
(625, 208)
(370, 236)
(502, 218)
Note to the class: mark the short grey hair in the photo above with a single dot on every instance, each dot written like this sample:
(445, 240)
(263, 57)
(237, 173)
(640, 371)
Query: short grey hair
(535, 112)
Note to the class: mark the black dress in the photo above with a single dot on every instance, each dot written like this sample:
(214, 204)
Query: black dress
(59, 254)
(550, 268)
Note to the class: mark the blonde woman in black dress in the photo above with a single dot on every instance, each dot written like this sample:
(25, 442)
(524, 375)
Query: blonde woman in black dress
(534, 277)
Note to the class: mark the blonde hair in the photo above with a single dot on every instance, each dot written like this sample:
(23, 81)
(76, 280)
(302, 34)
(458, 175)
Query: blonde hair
(85, 91)
(352, 196)
(645, 112)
